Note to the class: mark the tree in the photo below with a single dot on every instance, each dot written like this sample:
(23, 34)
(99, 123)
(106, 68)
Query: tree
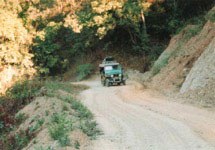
(14, 41)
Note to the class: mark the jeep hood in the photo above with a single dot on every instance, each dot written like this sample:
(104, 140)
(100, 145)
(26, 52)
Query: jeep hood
(110, 72)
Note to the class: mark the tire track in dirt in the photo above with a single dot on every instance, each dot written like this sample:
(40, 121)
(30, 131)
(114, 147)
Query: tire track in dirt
(128, 126)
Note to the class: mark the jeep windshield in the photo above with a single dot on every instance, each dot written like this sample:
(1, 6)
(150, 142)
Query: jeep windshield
(114, 67)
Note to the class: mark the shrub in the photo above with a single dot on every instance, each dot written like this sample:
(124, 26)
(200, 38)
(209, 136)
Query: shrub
(20, 140)
(161, 62)
(59, 127)
(39, 123)
(82, 111)
(24, 91)
(16, 98)
(90, 128)
(193, 31)
(211, 16)
(54, 52)
(57, 131)
(20, 118)
(44, 148)
(68, 99)
(1, 126)
(56, 85)
(77, 145)
(83, 71)
(64, 141)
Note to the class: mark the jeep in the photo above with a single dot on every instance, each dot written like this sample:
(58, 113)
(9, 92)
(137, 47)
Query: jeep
(112, 74)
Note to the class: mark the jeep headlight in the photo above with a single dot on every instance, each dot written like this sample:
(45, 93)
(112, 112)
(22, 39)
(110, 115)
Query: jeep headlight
(120, 75)
(112, 76)
(107, 75)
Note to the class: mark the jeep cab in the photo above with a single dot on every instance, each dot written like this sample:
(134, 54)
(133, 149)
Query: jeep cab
(111, 73)
(108, 60)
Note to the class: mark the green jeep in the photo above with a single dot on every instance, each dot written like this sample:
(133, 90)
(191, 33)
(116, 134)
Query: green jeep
(111, 73)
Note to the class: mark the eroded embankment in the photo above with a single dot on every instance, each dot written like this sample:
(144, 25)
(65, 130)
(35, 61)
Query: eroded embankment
(55, 120)
(187, 65)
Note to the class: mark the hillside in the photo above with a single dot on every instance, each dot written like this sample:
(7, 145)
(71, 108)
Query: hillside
(187, 65)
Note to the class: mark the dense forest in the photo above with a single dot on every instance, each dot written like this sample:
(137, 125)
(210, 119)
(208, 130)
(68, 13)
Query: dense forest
(48, 35)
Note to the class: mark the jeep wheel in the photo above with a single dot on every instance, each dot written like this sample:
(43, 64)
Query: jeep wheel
(124, 82)
(103, 82)
(107, 83)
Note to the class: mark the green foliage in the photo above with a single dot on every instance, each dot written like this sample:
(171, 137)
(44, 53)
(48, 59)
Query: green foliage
(59, 127)
(193, 31)
(83, 71)
(61, 123)
(77, 145)
(81, 111)
(90, 128)
(48, 53)
(55, 85)
(68, 99)
(1, 126)
(211, 15)
(64, 141)
(167, 17)
(20, 118)
(24, 91)
(44, 4)
(46, 148)
(54, 52)
(47, 112)
(83, 116)
(39, 123)
(15, 99)
(161, 62)
(86, 123)
(20, 140)
(104, 24)
(116, 23)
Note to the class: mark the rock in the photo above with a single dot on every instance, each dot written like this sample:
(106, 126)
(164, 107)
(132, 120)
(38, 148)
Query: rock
(202, 72)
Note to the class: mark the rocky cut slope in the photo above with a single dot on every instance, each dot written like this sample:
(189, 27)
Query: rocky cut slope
(200, 82)
(188, 64)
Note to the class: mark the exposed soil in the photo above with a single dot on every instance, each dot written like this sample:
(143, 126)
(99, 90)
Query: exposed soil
(136, 119)
(181, 54)
(48, 114)
(38, 109)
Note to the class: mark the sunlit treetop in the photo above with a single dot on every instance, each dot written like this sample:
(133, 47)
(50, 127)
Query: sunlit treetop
(14, 38)
(73, 22)
(105, 15)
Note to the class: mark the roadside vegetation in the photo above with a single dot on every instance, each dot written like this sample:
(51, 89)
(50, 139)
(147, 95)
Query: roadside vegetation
(16, 98)
(73, 115)
(83, 71)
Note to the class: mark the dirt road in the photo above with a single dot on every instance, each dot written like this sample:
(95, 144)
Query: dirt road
(132, 119)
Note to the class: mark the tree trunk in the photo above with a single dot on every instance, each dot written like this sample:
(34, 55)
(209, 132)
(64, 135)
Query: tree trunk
(132, 37)
(144, 22)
